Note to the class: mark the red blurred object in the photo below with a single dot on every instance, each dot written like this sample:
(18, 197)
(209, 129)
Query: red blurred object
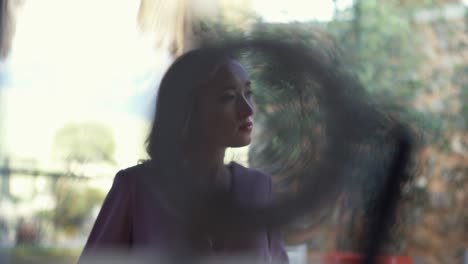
(354, 258)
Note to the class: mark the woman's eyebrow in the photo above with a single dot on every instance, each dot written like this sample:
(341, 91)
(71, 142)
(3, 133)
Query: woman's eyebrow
(233, 86)
(229, 87)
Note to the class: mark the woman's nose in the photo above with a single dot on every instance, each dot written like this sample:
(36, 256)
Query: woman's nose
(245, 108)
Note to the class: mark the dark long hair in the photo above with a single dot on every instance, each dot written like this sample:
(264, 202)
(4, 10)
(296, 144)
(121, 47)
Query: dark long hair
(174, 127)
(177, 102)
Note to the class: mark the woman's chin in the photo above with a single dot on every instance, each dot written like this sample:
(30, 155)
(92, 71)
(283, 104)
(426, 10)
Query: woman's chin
(241, 143)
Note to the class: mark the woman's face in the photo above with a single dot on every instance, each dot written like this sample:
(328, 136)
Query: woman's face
(226, 108)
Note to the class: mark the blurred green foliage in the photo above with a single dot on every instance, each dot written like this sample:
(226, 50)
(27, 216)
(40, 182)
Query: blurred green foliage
(84, 142)
(381, 44)
(40, 255)
(75, 201)
(460, 77)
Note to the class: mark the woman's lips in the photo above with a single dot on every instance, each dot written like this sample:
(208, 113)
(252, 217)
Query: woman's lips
(247, 127)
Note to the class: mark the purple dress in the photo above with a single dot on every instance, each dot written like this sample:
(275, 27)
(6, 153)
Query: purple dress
(133, 218)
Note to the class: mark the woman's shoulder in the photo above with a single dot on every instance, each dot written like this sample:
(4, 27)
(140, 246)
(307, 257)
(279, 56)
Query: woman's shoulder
(251, 183)
(250, 173)
(135, 170)
(136, 173)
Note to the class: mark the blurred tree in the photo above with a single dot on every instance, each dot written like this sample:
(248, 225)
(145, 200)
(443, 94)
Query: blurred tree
(74, 204)
(80, 143)
(380, 45)
(460, 77)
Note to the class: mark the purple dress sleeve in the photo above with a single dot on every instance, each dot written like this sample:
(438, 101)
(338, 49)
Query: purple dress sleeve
(112, 228)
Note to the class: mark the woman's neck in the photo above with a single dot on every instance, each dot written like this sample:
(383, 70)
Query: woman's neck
(208, 166)
(206, 162)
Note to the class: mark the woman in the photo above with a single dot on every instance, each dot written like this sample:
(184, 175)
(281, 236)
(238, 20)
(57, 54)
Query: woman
(204, 106)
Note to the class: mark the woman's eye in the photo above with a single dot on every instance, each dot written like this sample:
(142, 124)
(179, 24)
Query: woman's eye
(248, 94)
(228, 96)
